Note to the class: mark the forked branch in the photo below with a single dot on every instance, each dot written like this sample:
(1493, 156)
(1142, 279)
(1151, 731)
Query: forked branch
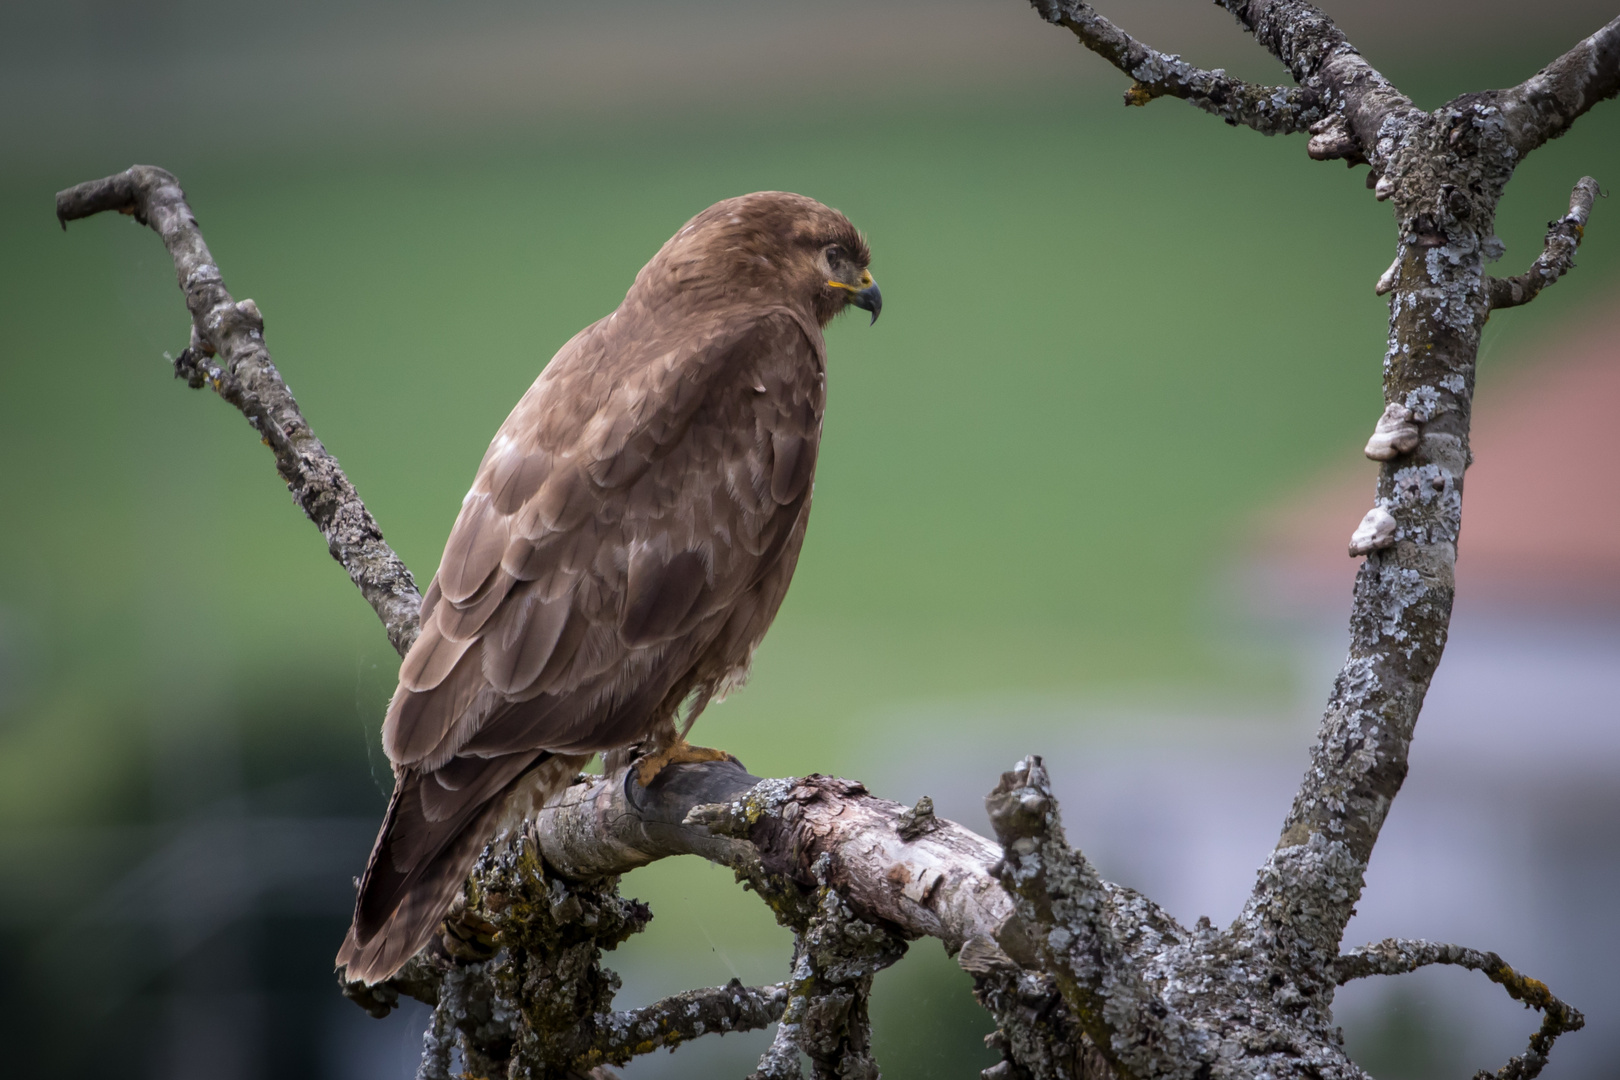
(1321, 60)
(227, 352)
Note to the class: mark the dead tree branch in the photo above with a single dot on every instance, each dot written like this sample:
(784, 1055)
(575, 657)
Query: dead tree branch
(1545, 105)
(1270, 110)
(244, 376)
(1084, 977)
(1557, 258)
(938, 883)
(1444, 173)
(1322, 61)
(1092, 937)
(1396, 956)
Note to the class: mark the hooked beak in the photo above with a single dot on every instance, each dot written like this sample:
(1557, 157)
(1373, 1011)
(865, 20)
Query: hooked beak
(866, 296)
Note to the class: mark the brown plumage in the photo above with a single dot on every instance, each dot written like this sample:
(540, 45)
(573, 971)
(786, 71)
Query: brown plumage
(627, 541)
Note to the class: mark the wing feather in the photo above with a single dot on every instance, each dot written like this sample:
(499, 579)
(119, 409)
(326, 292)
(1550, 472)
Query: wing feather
(418, 721)
(521, 642)
(431, 658)
(474, 548)
(466, 620)
(620, 525)
(661, 594)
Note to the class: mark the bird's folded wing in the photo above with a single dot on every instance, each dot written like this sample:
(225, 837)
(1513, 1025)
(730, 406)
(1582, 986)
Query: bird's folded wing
(641, 485)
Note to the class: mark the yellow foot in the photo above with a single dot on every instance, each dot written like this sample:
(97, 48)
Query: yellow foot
(681, 751)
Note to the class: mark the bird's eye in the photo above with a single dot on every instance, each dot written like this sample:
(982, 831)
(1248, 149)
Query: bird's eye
(834, 254)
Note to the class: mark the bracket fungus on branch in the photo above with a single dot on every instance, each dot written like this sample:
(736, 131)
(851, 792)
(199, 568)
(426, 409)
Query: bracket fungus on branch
(1376, 532)
(1331, 140)
(1387, 280)
(1083, 977)
(1396, 433)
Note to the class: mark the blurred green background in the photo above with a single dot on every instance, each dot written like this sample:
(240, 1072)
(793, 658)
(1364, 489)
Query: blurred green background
(1111, 336)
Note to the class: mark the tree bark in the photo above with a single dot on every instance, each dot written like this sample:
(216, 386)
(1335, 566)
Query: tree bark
(1085, 978)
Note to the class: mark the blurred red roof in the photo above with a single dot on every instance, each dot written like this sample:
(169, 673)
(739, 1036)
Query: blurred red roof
(1541, 503)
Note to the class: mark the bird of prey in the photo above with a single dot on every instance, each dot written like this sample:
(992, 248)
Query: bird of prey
(628, 539)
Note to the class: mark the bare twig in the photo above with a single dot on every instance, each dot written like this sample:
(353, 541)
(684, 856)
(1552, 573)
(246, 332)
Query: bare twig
(1557, 258)
(1271, 110)
(247, 379)
(1546, 104)
(1398, 956)
(667, 1023)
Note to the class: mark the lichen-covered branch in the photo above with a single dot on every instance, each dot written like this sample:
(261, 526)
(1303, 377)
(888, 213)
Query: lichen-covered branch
(854, 878)
(1271, 110)
(227, 352)
(1546, 104)
(1085, 978)
(517, 984)
(1037, 1033)
(1444, 173)
(836, 954)
(1557, 258)
(679, 1018)
(1074, 919)
(1319, 57)
(1398, 956)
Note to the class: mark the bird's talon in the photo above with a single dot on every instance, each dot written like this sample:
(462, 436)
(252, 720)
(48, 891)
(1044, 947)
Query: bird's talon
(682, 752)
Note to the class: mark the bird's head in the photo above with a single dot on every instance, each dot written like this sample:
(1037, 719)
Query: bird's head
(774, 245)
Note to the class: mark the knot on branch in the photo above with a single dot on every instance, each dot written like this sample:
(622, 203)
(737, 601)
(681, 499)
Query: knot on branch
(918, 821)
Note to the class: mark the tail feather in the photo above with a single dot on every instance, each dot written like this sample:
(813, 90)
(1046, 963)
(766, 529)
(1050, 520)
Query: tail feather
(397, 911)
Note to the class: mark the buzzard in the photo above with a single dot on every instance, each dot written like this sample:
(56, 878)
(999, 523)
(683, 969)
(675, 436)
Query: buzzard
(628, 539)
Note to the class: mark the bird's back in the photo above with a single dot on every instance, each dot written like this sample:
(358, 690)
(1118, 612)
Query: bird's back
(627, 541)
